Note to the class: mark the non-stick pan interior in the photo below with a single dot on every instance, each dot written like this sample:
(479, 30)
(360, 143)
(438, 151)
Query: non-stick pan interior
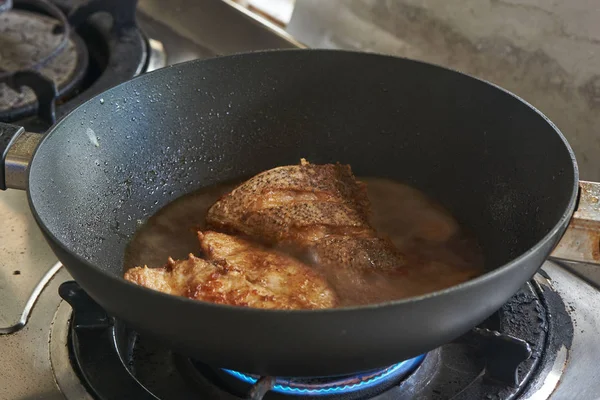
(501, 168)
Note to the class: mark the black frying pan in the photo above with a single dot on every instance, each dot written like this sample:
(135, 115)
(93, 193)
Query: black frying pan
(495, 162)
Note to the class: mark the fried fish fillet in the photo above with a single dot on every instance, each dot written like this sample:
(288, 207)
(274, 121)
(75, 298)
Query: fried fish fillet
(239, 273)
(320, 210)
(269, 268)
(296, 204)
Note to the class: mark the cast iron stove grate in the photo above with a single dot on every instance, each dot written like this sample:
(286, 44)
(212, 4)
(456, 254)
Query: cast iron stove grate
(54, 55)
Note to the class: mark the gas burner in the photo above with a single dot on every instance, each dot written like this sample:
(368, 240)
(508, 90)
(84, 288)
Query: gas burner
(507, 355)
(34, 41)
(381, 378)
(79, 49)
(353, 386)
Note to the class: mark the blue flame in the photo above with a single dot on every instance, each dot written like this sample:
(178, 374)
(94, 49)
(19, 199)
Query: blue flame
(395, 372)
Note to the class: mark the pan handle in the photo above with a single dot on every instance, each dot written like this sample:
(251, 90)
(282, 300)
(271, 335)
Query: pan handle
(581, 241)
(16, 150)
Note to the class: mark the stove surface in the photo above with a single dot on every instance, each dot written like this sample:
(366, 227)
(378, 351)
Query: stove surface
(29, 273)
(32, 312)
(26, 257)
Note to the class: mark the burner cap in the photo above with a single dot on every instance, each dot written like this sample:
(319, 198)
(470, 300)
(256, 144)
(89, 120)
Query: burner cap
(30, 40)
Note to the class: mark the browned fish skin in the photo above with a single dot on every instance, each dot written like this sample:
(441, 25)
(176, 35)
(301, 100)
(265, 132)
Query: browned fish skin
(290, 193)
(280, 273)
(303, 222)
(353, 252)
(240, 274)
(320, 209)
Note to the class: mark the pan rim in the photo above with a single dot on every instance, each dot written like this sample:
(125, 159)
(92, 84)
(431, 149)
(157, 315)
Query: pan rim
(559, 226)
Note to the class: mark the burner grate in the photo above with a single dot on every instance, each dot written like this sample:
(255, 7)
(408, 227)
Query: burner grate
(35, 36)
(500, 359)
(103, 48)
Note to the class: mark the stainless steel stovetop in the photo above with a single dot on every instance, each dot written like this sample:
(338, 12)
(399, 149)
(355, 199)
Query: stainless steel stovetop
(34, 320)
(29, 273)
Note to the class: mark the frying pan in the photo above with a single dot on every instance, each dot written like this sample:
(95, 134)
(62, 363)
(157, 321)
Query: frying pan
(501, 167)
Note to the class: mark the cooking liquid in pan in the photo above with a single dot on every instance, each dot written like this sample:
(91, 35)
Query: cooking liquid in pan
(440, 252)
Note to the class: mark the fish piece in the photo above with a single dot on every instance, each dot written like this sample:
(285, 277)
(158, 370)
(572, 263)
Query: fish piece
(361, 269)
(296, 196)
(301, 285)
(303, 222)
(199, 279)
(319, 213)
(239, 273)
(326, 215)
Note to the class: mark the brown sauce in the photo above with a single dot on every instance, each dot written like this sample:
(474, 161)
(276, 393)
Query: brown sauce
(442, 253)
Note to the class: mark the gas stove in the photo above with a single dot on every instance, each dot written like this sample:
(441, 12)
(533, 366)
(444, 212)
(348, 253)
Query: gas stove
(54, 55)
(520, 352)
(539, 345)
(56, 343)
